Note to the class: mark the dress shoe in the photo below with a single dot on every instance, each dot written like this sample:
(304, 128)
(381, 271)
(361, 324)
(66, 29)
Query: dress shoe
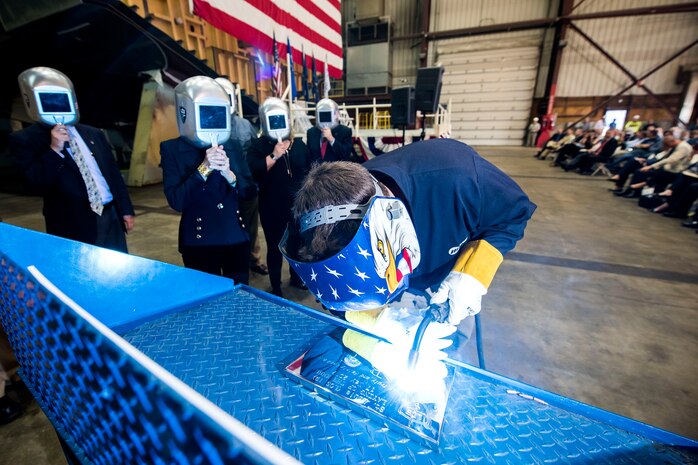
(260, 268)
(632, 194)
(9, 410)
(277, 292)
(672, 214)
(621, 193)
(616, 190)
(690, 224)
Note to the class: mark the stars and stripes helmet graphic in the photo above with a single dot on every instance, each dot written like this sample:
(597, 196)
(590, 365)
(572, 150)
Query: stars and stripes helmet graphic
(373, 268)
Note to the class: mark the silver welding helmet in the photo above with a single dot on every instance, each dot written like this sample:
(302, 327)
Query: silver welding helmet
(48, 96)
(203, 111)
(326, 114)
(274, 119)
(229, 89)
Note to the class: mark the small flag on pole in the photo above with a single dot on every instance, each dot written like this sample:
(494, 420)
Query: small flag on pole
(294, 91)
(276, 71)
(304, 78)
(327, 80)
(316, 94)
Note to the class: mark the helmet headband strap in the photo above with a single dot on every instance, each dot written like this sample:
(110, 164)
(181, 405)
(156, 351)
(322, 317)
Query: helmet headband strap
(331, 214)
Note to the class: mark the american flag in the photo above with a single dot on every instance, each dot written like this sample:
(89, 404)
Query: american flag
(276, 71)
(312, 24)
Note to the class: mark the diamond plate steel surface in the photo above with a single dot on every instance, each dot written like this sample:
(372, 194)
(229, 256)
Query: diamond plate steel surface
(107, 406)
(233, 351)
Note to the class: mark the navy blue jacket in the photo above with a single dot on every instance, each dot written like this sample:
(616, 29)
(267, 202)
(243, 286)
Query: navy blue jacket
(66, 205)
(454, 196)
(341, 150)
(210, 209)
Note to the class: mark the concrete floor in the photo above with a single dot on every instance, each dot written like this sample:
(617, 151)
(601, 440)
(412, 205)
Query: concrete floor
(597, 302)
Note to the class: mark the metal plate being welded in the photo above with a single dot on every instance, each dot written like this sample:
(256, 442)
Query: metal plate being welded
(340, 374)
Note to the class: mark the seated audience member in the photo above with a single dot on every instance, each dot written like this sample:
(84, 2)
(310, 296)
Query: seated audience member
(657, 171)
(584, 161)
(682, 193)
(693, 137)
(581, 143)
(643, 149)
(557, 135)
(556, 141)
(649, 125)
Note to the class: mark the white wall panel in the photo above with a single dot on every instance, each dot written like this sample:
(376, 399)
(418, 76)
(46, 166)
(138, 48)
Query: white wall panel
(489, 81)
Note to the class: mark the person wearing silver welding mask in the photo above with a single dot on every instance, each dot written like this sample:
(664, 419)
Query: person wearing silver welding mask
(242, 131)
(70, 165)
(279, 163)
(432, 216)
(329, 140)
(204, 178)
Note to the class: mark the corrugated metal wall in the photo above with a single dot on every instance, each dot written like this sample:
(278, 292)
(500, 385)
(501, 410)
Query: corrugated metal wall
(639, 43)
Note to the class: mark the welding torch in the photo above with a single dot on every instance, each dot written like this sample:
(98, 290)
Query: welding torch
(435, 313)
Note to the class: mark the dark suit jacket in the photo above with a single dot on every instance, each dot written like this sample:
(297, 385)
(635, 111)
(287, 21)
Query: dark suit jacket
(66, 205)
(210, 209)
(608, 149)
(341, 150)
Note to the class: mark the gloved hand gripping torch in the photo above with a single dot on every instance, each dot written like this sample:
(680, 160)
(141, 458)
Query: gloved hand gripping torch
(435, 313)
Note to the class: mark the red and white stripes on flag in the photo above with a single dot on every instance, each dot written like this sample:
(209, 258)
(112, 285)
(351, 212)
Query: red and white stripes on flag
(315, 25)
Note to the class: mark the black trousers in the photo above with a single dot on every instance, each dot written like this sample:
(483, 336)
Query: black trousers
(274, 226)
(110, 230)
(629, 168)
(566, 152)
(659, 179)
(229, 261)
(684, 193)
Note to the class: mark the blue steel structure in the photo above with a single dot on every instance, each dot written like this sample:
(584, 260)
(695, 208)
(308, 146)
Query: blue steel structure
(112, 404)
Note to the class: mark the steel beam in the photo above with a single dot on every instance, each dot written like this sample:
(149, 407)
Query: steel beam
(548, 22)
(639, 80)
(625, 70)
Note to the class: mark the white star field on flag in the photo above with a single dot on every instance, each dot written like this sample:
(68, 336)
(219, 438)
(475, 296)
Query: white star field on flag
(333, 272)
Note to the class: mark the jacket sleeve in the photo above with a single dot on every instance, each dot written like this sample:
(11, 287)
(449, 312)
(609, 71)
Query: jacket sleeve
(343, 146)
(39, 165)
(680, 155)
(504, 210)
(179, 186)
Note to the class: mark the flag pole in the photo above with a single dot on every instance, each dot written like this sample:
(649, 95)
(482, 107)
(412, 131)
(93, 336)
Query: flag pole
(289, 76)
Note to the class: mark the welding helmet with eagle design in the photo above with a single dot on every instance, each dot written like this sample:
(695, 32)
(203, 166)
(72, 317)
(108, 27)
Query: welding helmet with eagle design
(373, 269)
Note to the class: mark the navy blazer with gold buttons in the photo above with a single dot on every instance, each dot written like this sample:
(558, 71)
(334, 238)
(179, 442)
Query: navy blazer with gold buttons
(210, 208)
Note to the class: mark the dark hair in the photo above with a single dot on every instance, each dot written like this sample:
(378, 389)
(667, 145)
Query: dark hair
(333, 183)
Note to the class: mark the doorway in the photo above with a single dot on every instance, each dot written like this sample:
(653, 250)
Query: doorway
(617, 117)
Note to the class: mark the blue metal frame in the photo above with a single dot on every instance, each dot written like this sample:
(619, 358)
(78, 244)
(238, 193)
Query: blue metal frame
(230, 344)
